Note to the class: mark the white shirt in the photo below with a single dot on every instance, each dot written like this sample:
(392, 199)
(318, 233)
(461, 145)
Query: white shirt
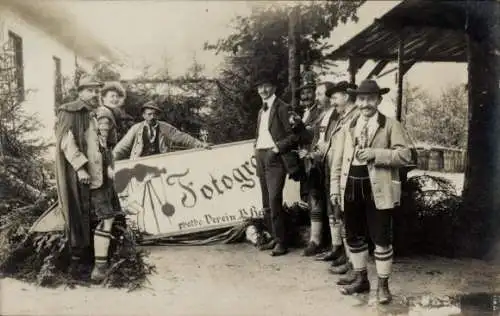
(322, 144)
(372, 126)
(307, 112)
(324, 124)
(265, 140)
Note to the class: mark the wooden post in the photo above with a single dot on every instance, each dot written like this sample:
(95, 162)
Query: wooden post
(481, 201)
(293, 62)
(352, 70)
(399, 100)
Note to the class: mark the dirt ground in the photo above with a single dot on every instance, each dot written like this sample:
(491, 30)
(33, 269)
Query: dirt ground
(240, 280)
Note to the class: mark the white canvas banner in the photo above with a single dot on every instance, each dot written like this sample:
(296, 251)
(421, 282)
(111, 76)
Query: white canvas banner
(193, 190)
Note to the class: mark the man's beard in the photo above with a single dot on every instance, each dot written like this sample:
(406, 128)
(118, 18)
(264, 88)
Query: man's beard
(308, 103)
(94, 102)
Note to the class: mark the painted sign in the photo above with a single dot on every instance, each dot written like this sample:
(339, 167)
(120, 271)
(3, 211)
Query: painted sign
(193, 190)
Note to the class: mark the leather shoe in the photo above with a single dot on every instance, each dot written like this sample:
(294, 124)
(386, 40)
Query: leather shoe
(341, 260)
(268, 246)
(360, 284)
(348, 278)
(342, 269)
(330, 255)
(279, 250)
(384, 296)
(311, 249)
(99, 272)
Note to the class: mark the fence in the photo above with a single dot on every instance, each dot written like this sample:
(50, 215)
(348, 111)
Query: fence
(435, 158)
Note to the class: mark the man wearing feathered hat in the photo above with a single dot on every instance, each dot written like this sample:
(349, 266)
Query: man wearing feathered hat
(79, 171)
(316, 117)
(365, 183)
(152, 137)
(274, 145)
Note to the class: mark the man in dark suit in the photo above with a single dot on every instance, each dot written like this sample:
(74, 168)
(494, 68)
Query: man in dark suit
(274, 145)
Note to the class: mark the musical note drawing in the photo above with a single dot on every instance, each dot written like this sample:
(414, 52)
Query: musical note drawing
(143, 174)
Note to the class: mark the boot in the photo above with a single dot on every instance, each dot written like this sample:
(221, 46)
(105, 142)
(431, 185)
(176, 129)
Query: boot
(99, 272)
(360, 284)
(311, 249)
(331, 255)
(78, 269)
(384, 296)
(279, 250)
(341, 260)
(348, 278)
(341, 269)
(268, 246)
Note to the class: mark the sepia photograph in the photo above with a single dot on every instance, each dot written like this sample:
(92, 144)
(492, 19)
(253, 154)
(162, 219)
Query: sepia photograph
(210, 157)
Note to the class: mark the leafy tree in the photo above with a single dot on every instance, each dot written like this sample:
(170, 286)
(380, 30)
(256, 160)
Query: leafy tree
(441, 120)
(260, 41)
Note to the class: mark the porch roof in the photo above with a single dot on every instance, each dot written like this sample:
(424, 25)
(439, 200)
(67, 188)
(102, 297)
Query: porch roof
(433, 31)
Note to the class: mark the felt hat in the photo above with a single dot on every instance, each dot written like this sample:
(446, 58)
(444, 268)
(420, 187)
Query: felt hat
(150, 105)
(264, 77)
(368, 87)
(86, 82)
(113, 86)
(343, 86)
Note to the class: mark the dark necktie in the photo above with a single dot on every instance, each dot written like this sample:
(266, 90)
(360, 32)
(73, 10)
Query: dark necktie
(264, 106)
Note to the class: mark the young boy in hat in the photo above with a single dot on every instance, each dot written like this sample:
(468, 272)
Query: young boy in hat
(365, 183)
(104, 200)
(113, 96)
(152, 137)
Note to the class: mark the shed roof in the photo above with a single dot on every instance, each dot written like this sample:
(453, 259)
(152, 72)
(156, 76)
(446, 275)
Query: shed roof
(433, 31)
(55, 21)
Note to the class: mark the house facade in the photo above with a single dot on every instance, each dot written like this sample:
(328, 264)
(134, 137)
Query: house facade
(40, 47)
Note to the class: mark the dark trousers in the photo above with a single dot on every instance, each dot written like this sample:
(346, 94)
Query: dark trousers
(272, 176)
(362, 218)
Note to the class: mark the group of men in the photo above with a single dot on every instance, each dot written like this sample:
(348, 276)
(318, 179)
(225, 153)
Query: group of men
(347, 156)
(345, 153)
(91, 134)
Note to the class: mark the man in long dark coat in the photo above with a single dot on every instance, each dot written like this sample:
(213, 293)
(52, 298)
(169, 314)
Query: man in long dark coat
(80, 172)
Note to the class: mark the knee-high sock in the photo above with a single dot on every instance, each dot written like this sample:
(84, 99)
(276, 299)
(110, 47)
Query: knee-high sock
(359, 256)
(102, 237)
(316, 219)
(383, 260)
(335, 229)
(344, 242)
(101, 245)
(316, 230)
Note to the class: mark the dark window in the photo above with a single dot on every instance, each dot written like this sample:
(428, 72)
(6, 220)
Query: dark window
(16, 43)
(58, 95)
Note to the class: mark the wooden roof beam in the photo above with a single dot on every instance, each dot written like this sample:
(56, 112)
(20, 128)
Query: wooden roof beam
(354, 65)
(377, 69)
(394, 57)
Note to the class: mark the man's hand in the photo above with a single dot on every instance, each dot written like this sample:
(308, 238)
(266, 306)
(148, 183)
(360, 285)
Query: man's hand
(336, 208)
(335, 198)
(111, 173)
(302, 153)
(83, 176)
(366, 154)
(275, 150)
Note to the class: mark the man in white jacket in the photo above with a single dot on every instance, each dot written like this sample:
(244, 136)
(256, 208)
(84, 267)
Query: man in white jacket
(365, 183)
